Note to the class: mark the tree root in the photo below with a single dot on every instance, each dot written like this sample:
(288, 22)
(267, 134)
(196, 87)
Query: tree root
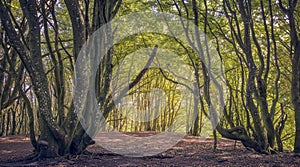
(34, 157)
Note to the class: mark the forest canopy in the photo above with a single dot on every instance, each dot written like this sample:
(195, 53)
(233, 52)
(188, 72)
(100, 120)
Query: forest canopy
(256, 51)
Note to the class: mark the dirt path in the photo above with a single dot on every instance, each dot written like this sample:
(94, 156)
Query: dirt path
(189, 152)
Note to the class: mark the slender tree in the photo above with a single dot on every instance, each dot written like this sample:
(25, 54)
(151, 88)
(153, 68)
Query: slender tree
(295, 51)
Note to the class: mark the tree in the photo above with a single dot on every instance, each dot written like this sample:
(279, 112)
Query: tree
(41, 41)
(295, 51)
(65, 136)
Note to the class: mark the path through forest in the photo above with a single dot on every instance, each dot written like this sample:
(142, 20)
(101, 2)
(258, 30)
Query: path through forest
(189, 152)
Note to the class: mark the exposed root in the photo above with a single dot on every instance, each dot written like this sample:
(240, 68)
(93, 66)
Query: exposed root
(35, 157)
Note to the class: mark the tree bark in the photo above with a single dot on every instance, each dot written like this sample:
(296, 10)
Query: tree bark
(295, 89)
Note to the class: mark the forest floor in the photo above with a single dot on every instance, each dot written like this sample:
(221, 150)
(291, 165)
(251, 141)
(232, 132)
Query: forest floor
(190, 151)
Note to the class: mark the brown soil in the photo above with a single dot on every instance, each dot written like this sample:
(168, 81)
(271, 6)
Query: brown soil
(189, 152)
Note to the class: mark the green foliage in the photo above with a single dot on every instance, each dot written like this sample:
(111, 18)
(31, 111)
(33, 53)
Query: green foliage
(223, 30)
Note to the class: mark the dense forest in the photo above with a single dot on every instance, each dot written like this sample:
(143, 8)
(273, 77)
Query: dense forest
(235, 73)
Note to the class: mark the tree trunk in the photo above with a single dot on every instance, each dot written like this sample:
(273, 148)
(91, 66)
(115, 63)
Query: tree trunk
(295, 89)
(295, 85)
(2, 115)
(7, 123)
(195, 131)
(13, 123)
